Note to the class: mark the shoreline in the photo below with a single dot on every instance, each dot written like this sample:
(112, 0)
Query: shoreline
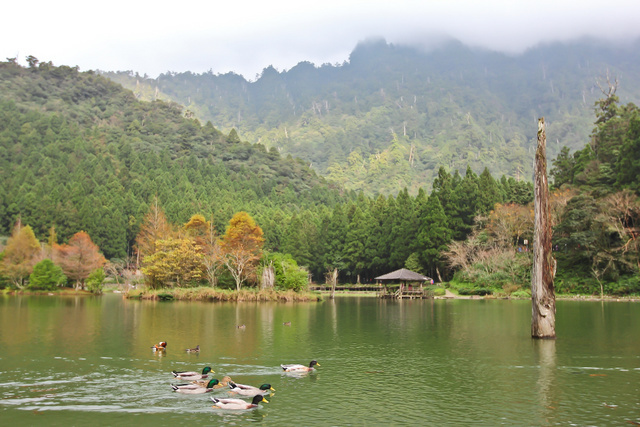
(248, 295)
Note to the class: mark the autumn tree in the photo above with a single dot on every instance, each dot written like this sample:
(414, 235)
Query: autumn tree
(79, 257)
(177, 261)
(198, 229)
(213, 258)
(154, 228)
(20, 255)
(242, 247)
(623, 212)
(507, 224)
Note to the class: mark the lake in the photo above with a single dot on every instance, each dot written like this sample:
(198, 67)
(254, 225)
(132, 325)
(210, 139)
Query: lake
(88, 360)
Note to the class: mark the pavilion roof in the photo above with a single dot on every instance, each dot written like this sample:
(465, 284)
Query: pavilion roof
(404, 275)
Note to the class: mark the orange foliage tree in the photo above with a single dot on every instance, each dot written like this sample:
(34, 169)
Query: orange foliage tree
(79, 257)
(198, 229)
(154, 228)
(205, 235)
(20, 255)
(242, 247)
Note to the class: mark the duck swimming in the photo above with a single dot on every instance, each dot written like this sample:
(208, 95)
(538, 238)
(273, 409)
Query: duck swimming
(247, 390)
(161, 346)
(300, 368)
(223, 383)
(237, 404)
(194, 388)
(192, 375)
(194, 350)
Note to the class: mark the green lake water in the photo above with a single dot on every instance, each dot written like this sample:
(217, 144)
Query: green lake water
(88, 361)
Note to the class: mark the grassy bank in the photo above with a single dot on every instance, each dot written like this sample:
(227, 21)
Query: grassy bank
(214, 294)
(58, 291)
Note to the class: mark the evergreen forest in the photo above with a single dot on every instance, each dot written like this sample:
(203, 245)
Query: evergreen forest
(391, 115)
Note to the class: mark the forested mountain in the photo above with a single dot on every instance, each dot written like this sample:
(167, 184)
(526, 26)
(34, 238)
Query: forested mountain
(392, 115)
(80, 152)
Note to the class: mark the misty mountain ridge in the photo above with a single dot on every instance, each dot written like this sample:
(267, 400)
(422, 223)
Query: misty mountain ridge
(391, 115)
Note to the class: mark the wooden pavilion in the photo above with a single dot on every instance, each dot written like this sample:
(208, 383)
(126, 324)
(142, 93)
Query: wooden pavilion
(404, 277)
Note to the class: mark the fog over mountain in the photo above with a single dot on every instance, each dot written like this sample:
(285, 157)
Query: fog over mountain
(247, 36)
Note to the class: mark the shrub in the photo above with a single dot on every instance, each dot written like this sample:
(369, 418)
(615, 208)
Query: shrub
(510, 288)
(288, 274)
(628, 286)
(439, 292)
(522, 293)
(481, 291)
(95, 280)
(47, 276)
(475, 291)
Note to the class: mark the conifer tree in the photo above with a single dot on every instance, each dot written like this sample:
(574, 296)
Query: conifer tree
(434, 235)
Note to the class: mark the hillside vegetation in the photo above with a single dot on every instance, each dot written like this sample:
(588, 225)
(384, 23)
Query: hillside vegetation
(79, 152)
(392, 115)
(86, 166)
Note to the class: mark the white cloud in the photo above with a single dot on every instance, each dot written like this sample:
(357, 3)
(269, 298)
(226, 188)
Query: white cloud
(246, 36)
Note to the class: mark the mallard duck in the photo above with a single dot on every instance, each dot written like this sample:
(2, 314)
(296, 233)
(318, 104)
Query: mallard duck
(192, 375)
(248, 390)
(224, 382)
(194, 388)
(286, 323)
(243, 326)
(239, 403)
(300, 368)
(194, 350)
(161, 346)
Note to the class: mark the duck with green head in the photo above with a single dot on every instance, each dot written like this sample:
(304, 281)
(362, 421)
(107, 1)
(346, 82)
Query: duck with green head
(238, 404)
(224, 382)
(194, 388)
(247, 390)
(300, 368)
(192, 375)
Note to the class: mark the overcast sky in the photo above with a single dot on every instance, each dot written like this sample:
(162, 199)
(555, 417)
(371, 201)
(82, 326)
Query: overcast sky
(245, 36)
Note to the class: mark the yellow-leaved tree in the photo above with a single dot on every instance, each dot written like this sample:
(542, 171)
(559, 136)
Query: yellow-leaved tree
(20, 255)
(242, 247)
(154, 228)
(176, 262)
(205, 235)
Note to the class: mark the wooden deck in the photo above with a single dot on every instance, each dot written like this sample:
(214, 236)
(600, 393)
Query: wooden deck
(382, 292)
(405, 294)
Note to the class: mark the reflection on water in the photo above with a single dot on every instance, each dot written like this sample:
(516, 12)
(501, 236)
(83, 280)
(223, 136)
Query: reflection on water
(88, 360)
(546, 380)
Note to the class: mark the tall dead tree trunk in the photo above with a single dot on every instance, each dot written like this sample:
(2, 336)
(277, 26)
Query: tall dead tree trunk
(543, 298)
(333, 278)
(268, 276)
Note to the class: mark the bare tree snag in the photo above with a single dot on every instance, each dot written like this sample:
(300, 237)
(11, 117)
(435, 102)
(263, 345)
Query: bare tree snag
(543, 298)
(332, 279)
(268, 276)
